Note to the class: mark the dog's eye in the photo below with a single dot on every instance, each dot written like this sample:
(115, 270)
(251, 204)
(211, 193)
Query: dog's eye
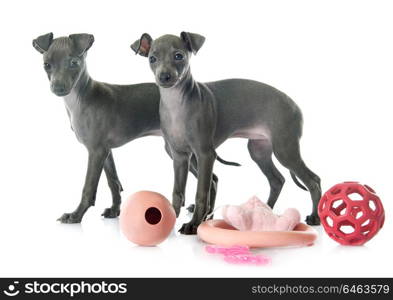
(74, 63)
(179, 56)
(152, 59)
(47, 66)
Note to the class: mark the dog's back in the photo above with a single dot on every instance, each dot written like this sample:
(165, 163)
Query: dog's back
(261, 103)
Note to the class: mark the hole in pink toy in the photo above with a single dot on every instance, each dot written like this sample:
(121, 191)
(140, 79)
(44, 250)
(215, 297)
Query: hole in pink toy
(372, 205)
(339, 207)
(355, 196)
(153, 215)
(329, 221)
(347, 229)
(365, 223)
(356, 212)
(337, 203)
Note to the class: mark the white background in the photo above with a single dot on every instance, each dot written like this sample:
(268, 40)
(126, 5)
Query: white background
(334, 58)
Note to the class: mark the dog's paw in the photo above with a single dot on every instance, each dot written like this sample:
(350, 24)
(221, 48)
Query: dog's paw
(191, 208)
(188, 228)
(69, 218)
(111, 212)
(313, 220)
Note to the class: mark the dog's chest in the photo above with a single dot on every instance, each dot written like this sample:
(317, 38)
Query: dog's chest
(82, 123)
(176, 123)
(80, 126)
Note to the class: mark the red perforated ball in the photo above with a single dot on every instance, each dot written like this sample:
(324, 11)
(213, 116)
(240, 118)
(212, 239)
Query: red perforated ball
(351, 213)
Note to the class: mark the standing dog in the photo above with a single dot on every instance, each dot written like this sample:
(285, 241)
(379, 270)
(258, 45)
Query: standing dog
(103, 116)
(197, 117)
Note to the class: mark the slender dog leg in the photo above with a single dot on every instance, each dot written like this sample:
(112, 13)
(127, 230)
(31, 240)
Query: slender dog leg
(181, 163)
(194, 171)
(94, 169)
(289, 156)
(213, 187)
(205, 171)
(115, 187)
(261, 153)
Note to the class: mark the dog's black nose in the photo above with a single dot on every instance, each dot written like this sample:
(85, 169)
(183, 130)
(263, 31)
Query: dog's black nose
(58, 89)
(165, 77)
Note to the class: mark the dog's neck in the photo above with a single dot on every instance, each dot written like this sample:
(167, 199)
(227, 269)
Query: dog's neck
(185, 87)
(76, 96)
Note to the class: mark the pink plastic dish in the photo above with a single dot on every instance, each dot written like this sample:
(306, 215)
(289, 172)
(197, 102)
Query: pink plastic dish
(219, 232)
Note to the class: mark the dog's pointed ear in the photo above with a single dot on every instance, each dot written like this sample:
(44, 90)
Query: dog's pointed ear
(143, 45)
(193, 41)
(43, 42)
(82, 42)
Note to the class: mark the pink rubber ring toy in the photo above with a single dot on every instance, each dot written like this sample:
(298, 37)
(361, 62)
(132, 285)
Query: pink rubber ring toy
(218, 232)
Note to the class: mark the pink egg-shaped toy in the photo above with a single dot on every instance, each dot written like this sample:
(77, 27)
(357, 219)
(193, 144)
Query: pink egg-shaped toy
(147, 218)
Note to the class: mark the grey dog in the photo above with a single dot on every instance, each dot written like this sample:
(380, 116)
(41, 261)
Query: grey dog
(103, 116)
(197, 117)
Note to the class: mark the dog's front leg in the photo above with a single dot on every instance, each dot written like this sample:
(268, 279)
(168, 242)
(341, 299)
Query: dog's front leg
(115, 187)
(205, 171)
(94, 169)
(181, 161)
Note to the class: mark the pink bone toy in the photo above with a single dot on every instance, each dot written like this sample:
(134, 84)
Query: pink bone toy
(238, 255)
(247, 259)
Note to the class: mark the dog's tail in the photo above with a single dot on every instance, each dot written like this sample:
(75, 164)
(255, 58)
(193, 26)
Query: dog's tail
(230, 163)
(297, 182)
